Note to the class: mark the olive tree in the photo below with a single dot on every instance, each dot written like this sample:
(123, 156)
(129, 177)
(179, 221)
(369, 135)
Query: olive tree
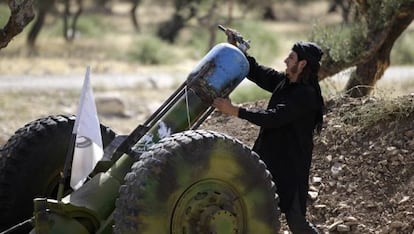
(366, 43)
(21, 15)
(207, 13)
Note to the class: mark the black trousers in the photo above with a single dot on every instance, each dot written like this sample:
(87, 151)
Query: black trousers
(296, 220)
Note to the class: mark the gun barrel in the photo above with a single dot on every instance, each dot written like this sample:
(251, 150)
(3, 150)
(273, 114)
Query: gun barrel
(221, 27)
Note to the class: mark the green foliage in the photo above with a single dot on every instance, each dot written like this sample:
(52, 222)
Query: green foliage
(248, 93)
(342, 42)
(151, 50)
(88, 25)
(265, 45)
(4, 15)
(403, 50)
(197, 40)
(93, 25)
(380, 12)
(346, 42)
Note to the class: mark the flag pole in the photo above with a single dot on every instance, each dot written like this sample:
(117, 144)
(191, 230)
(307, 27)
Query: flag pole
(67, 166)
(69, 155)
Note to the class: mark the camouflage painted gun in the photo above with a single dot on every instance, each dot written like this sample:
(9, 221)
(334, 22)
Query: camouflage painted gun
(164, 177)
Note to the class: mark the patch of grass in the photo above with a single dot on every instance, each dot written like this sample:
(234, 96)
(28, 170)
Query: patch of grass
(248, 93)
(403, 51)
(330, 87)
(152, 51)
(265, 45)
(196, 40)
(94, 25)
(373, 112)
(88, 25)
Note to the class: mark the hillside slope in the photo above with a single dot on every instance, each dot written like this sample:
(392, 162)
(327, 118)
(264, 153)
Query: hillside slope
(362, 176)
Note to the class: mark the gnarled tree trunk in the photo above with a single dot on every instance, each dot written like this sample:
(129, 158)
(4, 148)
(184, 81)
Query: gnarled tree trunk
(43, 7)
(367, 73)
(21, 14)
(375, 59)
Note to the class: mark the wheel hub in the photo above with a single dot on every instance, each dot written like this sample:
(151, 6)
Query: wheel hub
(209, 206)
(222, 221)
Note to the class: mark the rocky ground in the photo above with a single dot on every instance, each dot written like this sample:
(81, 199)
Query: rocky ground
(362, 177)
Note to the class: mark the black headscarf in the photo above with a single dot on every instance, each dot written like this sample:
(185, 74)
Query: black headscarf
(309, 51)
(312, 53)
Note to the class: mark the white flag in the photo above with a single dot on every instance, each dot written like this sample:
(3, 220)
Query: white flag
(88, 148)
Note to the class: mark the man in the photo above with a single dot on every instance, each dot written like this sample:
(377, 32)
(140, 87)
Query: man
(287, 126)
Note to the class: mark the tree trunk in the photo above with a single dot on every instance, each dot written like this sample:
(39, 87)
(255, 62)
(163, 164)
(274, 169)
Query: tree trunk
(43, 8)
(372, 62)
(69, 28)
(21, 15)
(367, 73)
(170, 29)
(134, 18)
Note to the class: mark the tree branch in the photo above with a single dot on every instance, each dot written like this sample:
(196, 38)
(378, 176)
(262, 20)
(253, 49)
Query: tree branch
(377, 39)
(21, 14)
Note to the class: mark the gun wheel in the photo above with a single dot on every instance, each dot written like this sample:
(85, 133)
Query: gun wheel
(30, 165)
(209, 204)
(198, 182)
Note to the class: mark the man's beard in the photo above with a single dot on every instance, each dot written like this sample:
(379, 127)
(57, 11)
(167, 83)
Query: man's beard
(293, 70)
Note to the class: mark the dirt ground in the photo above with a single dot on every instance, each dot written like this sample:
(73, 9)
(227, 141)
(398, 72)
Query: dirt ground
(362, 176)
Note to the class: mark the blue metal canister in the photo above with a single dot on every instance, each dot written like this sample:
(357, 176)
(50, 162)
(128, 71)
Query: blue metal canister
(219, 72)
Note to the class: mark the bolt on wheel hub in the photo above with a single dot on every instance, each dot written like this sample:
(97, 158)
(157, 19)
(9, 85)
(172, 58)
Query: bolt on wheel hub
(209, 206)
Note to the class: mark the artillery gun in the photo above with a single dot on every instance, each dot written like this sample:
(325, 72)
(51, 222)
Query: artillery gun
(164, 177)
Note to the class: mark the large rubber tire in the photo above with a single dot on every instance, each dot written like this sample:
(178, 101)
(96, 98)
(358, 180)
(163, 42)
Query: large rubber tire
(198, 182)
(30, 163)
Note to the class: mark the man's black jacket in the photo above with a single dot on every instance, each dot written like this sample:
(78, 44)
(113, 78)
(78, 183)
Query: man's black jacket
(285, 141)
